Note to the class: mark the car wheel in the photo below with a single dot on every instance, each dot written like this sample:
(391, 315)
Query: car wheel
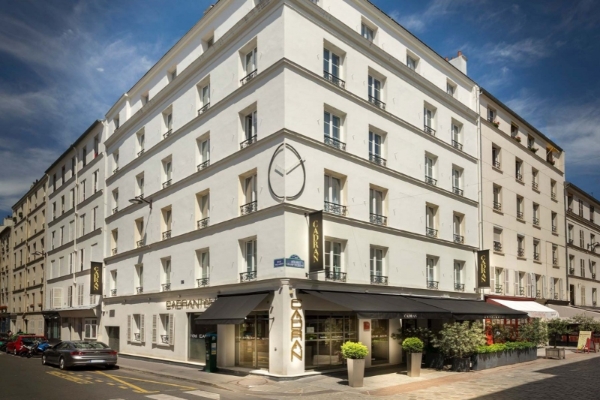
(15, 351)
(61, 364)
(111, 366)
(44, 359)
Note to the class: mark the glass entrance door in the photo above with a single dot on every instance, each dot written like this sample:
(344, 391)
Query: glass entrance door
(380, 338)
(252, 342)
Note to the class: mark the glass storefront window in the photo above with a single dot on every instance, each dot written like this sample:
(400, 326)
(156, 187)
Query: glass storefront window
(252, 342)
(380, 337)
(324, 336)
(196, 342)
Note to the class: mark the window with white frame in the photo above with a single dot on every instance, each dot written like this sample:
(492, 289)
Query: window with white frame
(457, 228)
(498, 240)
(535, 179)
(536, 214)
(82, 186)
(90, 328)
(376, 148)
(70, 296)
(430, 170)
(376, 197)
(554, 255)
(172, 73)
(139, 180)
(497, 196)
(491, 114)
(429, 119)
(139, 278)
(250, 62)
(167, 171)
(367, 32)
(81, 259)
(82, 223)
(250, 194)
(377, 264)
(166, 275)
(141, 142)
(333, 190)
(203, 152)
(203, 274)
(139, 232)
(168, 122)
(520, 207)
(536, 249)
(80, 295)
(115, 198)
(250, 250)
(496, 157)
(456, 134)
(332, 67)
(167, 220)
(204, 94)
(114, 241)
(459, 283)
(582, 268)
(431, 272)
(164, 329)
(457, 180)
(431, 220)
(203, 200)
(412, 62)
(375, 91)
(332, 130)
(520, 246)
(333, 259)
(113, 282)
(136, 328)
(450, 88)
(250, 127)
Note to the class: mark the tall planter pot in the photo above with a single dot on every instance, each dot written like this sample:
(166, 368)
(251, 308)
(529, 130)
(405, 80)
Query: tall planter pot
(461, 364)
(356, 372)
(434, 360)
(414, 364)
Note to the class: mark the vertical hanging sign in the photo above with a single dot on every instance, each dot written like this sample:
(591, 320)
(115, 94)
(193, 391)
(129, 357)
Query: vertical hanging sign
(483, 269)
(96, 278)
(315, 241)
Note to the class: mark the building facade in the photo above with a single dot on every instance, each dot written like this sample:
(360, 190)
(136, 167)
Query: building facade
(522, 205)
(211, 178)
(5, 273)
(29, 217)
(75, 236)
(583, 232)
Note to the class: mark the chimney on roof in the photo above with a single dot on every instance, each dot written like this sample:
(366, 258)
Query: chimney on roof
(460, 62)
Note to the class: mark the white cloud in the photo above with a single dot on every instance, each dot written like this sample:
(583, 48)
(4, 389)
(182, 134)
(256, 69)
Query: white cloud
(525, 51)
(100, 69)
(417, 22)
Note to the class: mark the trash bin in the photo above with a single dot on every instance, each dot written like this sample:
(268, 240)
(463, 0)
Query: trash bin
(210, 340)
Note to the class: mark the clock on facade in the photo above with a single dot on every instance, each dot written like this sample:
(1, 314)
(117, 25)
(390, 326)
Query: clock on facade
(287, 175)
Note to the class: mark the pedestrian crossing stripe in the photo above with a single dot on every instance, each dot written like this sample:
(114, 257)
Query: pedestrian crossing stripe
(199, 393)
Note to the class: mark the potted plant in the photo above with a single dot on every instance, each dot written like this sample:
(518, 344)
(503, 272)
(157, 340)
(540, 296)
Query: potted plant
(517, 138)
(432, 356)
(460, 341)
(586, 323)
(414, 348)
(557, 327)
(533, 149)
(496, 123)
(355, 354)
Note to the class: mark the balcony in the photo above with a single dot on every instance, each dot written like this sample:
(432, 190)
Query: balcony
(534, 185)
(536, 221)
(203, 223)
(498, 289)
(167, 133)
(139, 290)
(140, 243)
(428, 129)
(166, 235)
(536, 256)
(457, 191)
(203, 165)
(377, 102)
(113, 292)
(164, 339)
(553, 197)
(334, 208)
(554, 229)
(377, 160)
(248, 142)
(538, 295)
(333, 142)
(457, 145)
(114, 251)
(459, 239)
(247, 276)
(593, 275)
(521, 252)
(520, 215)
(248, 77)
(334, 79)
(166, 287)
(249, 208)
(201, 282)
(335, 276)
(519, 177)
(378, 219)
(497, 206)
(429, 180)
(139, 154)
(379, 280)
(555, 261)
(497, 246)
(571, 270)
(204, 108)
(136, 337)
(167, 183)
(115, 210)
(431, 232)
(521, 291)
(459, 287)
(432, 285)
(497, 164)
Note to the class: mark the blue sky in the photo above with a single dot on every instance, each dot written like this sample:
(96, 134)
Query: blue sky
(64, 63)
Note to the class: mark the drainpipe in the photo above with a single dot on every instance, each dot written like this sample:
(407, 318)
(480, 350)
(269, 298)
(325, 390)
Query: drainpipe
(479, 183)
(566, 247)
(75, 213)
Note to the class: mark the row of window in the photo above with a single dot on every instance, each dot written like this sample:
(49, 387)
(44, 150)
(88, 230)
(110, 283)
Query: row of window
(497, 206)
(586, 269)
(591, 210)
(521, 248)
(518, 283)
(84, 155)
(82, 193)
(66, 234)
(571, 239)
(163, 329)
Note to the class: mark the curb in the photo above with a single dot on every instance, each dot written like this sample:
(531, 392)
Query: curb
(180, 378)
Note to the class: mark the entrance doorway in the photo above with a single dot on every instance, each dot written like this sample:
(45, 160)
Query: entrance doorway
(196, 338)
(380, 341)
(113, 337)
(572, 294)
(252, 342)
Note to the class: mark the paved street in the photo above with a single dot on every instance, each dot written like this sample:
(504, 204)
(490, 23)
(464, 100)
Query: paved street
(23, 378)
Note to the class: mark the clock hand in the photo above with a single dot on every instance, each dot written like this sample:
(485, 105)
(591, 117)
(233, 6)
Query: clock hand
(294, 167)
(279, 169)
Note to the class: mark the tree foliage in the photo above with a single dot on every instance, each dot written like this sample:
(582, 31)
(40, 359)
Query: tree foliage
(558, 327)
(535, 332)
(460, 339)
(586, 323)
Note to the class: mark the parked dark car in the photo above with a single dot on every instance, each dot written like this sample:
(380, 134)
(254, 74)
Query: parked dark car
(78, 353)
(16, 342)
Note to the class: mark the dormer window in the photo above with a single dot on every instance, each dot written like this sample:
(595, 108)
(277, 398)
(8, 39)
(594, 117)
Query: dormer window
(411, 62)
(367, 32)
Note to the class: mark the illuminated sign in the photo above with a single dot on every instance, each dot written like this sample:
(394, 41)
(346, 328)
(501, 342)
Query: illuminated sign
(483, 269)
(96, 278)
(297, 328)
(195, 303)
(315, 241)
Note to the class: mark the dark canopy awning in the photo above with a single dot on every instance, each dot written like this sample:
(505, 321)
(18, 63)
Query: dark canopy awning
(472, 309)
(230, 309)
(382, 306)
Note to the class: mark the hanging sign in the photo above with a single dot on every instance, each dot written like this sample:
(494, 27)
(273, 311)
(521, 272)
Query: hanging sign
(483, 269)
(315, 241)
(96, 278)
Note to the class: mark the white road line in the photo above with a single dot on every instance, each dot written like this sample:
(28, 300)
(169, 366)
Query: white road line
(164, 397)
(206, 395)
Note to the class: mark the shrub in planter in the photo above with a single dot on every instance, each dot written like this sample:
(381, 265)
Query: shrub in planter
(586, 323)
(533, 149)
(557, 327)
(460, 341)
(414, 347)
(355, 354)
(534, 332)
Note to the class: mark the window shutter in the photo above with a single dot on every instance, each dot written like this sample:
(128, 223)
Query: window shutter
(142, 329)
(154, 328)
(560, 289)
(171, 329)
(517, 283)
(528, 284)
(550, 287)
(493, 280)
(543, 288)
(129, 328)
(506, 281)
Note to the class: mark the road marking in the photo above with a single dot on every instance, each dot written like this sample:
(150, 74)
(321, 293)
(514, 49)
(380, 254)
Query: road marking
(159, 383)
(69, 377)
(207, 395)
(164, 397)
(137, 389)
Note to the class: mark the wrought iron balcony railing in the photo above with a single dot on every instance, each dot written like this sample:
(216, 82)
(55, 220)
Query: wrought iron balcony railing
(536, 221)
(430, 180)
(534, 185)
(247, 276)
(164, 339)
(115, 170)
(333, 142)
(520, 214)
(497, 164)
(538, 294)
(498, 289)
(201, 282)
(204, 108)
(334, 79)
(457, 145)
(521, 252)
(432, 285)
(431, 232)
(166, 235)
(203, 223)
(334, 208)
(497, 206)
(459, 238)
(460, 287)
(457, 190)
(521, 291)
(336, 276)
(136, 337)
(497, 246)
(248, 77)
(536, 256)
(166, 287)
(428, 129)
(167, 133)
(248, 208)
(113, 292)
(379, 279)
(378, 219)
(376, 159)
(115, 210)
(248, 142)
(555, 296)
(555, 261)
(519, 177)
(140, 152)
(553, 196)
(114, 251)
(554, 229)
(140, 243)
(139, 289)
(203, 165)
(572, 270)
(167, 183)
(377, 102)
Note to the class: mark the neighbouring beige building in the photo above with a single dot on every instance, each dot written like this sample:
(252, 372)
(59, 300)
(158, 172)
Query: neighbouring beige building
(5, 273)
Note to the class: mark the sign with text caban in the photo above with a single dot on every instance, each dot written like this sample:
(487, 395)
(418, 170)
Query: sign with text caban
(483, 269)
(315, 241)
(96, 278)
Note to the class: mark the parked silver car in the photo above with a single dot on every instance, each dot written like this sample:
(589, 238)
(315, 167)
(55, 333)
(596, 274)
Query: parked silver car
(77, 353)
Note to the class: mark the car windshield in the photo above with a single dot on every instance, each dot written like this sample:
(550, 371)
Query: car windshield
(90, 345)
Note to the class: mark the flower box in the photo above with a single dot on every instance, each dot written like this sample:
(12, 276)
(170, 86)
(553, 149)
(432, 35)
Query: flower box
(501, 358)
